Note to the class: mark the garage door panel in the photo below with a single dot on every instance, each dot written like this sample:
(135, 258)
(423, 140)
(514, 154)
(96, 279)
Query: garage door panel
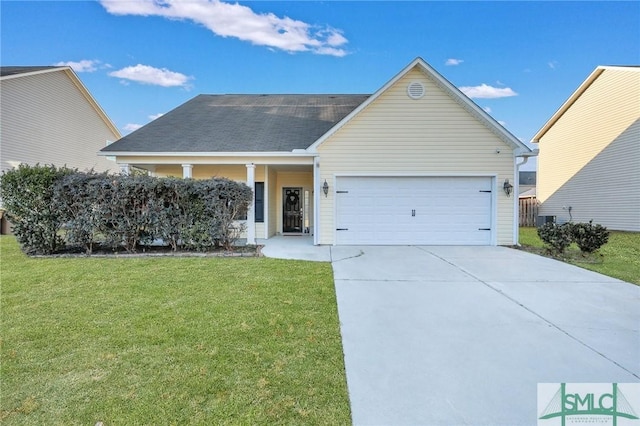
(414, 210)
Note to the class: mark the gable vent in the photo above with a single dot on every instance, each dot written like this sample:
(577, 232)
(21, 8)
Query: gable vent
(415, 90)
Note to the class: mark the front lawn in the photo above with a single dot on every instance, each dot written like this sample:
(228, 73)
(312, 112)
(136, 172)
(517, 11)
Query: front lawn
(619, 258)
(169, 341)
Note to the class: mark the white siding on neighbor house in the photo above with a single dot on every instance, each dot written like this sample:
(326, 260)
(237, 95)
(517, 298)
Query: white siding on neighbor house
(47, 119)
(590, 157)
(431, 136)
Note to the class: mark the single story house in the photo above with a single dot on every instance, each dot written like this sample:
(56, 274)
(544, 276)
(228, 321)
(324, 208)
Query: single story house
(49, 117)
(589, 162)
(417, 162)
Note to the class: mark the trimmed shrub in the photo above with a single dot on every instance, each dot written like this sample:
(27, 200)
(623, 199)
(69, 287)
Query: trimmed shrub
(171, 201)
(27, 196)
(212, 213)
(78, 198)
(557, 237)
(589, 237)
(129, 214)
(52, 206)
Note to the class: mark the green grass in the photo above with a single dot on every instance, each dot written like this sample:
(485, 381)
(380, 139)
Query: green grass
(169, 341)
(619, 258)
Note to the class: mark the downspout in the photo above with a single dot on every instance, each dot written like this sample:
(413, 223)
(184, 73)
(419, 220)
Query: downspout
(516, 193)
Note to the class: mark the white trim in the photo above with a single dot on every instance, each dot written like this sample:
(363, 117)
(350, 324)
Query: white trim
(494, 210)
(265, 202)
(251, 213)
(26, 74)
(187, 171)
(316, 200)
(453, 91)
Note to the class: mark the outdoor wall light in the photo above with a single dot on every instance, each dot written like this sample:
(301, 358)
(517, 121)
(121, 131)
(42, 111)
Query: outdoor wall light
(325, 188)
(508, 188)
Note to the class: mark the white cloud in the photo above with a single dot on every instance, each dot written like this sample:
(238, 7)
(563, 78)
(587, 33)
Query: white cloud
(85, 65)
(502, 123)
(485, 91)
(132, 127)
(487, 110)
(454, 61)
(235, 20)
(154, 116)
(146, 74)
(552, 64)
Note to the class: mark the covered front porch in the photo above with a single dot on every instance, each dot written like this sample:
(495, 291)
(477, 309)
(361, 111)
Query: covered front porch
(284, 196)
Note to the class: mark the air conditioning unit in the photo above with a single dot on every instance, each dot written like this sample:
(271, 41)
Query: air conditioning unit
(541, 220)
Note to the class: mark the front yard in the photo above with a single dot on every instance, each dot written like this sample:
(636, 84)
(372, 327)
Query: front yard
(169, 341)
(619, 258)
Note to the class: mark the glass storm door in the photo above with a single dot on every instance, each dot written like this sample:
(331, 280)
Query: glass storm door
(292, 210)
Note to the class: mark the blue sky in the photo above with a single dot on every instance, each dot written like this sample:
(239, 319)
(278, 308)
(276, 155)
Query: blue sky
(139, 59)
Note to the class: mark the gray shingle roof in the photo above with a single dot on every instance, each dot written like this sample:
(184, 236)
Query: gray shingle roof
(6, 71)
(241, 123)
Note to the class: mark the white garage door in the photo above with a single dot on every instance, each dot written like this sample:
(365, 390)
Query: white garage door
(414, 210)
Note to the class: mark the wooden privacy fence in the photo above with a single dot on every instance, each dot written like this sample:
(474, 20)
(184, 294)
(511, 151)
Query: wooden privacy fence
(528, 211)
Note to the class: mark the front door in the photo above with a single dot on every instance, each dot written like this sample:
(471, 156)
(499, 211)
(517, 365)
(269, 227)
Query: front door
(291, 210)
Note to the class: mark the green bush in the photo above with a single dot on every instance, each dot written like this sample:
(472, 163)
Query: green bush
(77, 197)
(52, 207)
(27, 196)
(557, 237)
(589, 237)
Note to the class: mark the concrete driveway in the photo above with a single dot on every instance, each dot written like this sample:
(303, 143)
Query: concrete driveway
(463, 335)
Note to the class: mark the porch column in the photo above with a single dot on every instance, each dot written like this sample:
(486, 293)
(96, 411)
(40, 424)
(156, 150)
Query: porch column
(187, 171)
(125, 169)
(251, 213)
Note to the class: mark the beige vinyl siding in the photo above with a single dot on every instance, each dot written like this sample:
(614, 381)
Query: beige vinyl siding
(47, 119)
(590, 157)
(434, 135)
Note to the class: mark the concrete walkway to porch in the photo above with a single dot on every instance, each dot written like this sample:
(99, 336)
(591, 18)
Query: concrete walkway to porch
(301, 247)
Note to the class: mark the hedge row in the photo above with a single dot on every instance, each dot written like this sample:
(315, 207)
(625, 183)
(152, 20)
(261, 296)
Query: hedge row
(53, 209)
(589, 237)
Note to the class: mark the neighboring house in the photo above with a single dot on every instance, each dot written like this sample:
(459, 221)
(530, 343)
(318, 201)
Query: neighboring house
(49, 117)
(527, 183)
(589, 162)
(417, 162)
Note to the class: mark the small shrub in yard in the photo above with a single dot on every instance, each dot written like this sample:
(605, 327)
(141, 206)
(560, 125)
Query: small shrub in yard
(558, 237)
(27, 195)
(589, 237)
